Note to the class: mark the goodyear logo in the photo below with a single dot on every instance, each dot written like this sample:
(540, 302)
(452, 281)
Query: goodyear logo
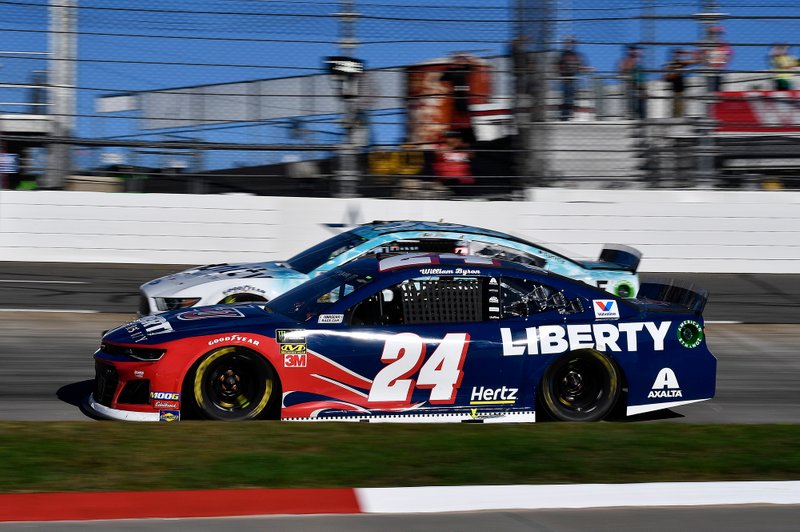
(165, 396)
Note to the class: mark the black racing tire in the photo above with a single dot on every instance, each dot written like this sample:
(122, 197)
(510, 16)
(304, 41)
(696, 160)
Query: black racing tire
(234, 384)
(580, 386)
(241, 298)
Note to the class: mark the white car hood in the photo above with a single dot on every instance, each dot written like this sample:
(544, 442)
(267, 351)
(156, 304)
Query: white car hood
(176, 282)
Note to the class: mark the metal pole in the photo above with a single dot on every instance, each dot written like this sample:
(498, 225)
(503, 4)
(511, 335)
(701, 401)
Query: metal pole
(347, 172)
(705, 124)
(61, 74)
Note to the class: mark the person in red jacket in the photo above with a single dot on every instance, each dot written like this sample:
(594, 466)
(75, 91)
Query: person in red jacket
(452, 164)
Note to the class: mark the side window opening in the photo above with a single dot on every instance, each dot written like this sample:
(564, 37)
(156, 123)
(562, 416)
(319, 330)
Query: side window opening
(443, 300)
(498, 251)
(414, 245)
(428, 300)
(523, 297)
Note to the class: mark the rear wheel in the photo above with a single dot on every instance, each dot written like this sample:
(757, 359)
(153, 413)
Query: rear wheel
(233, 384)
(580, 386)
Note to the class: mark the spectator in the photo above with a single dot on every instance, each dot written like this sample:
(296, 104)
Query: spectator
(632, 72)
(458, 75)
(782, 64)
(452, 164)
(675, 74)
(716, 56)
(570, 63)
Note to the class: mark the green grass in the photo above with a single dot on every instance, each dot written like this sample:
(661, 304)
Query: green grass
(110, 456)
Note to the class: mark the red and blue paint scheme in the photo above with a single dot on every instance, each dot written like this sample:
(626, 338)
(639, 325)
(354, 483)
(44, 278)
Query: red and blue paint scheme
(414, 338)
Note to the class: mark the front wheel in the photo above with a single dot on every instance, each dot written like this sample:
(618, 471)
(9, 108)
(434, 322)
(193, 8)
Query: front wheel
(580, 386)
(234, 384)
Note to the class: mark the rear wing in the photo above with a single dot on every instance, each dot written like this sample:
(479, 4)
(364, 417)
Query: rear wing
(625, 257)
(672, 291)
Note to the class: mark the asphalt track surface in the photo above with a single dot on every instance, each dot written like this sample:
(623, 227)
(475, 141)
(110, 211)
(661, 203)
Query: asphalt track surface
(46, 363)
(46, 370)
(760, 518)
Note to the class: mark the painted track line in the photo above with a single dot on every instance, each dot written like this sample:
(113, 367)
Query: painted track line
(36, 281)
(51, 310)
(427, 499)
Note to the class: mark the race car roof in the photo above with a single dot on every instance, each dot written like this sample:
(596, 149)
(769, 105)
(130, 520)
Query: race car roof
(393, 226)
(403, 261)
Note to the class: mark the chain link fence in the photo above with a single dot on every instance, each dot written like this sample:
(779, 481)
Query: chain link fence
(397, 98)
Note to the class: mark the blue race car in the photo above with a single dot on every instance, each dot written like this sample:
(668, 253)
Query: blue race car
(614, 272)
(414, 338)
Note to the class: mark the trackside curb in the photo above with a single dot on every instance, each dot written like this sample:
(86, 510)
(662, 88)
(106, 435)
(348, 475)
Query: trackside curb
(82, 506)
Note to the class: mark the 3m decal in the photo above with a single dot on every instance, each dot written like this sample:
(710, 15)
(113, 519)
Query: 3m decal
(690, 333)
(493, 396)
(605, 309)
(212, 313)
(665, 386)
(295, 360)
(330, 318)
(405, 354)
(167, 396)
(554, 339)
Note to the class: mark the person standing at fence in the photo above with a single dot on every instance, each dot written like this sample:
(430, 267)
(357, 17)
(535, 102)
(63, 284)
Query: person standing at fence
(570, 64)
(632, 72)
(458, 75)
(675, 72)
(716, 57)
(783, 64)
(452, 164)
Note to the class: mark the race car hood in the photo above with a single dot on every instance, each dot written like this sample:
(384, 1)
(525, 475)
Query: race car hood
(172, 283)
(217, 319)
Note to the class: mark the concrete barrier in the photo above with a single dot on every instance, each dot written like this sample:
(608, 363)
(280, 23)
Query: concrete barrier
(691, 231)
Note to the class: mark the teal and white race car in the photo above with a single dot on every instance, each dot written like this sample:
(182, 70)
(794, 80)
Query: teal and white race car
(614, 271)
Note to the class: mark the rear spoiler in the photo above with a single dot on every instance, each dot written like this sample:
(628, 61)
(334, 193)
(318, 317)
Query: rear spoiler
(671, 291)
(619, 257)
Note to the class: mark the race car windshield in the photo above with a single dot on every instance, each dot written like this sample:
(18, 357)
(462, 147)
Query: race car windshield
(315, 297)
(314, 257)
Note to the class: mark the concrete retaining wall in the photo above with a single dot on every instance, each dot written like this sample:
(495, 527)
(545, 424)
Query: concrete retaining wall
(692, 231)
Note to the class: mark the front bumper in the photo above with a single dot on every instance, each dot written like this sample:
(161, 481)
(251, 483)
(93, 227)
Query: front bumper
(122, 415)
(134, 391)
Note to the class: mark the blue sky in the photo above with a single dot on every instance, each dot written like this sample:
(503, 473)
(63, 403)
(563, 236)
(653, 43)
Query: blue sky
(122, 46)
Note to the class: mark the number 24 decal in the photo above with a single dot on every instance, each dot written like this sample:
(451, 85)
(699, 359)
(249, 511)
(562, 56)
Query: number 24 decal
(405, 355)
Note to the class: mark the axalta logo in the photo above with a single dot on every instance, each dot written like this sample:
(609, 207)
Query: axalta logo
(666, 385)
(493, 396)
(554, 339)
(605, 309)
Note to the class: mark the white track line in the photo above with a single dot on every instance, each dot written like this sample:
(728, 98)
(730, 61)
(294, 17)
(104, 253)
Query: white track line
(476, 498)
(724, 322)
(36, 281)
(66, 310)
